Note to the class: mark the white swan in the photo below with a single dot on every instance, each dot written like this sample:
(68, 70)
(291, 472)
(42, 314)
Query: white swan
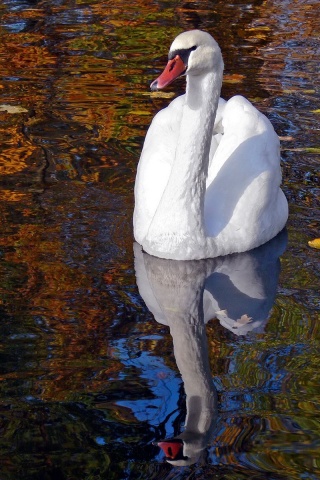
(208, 180)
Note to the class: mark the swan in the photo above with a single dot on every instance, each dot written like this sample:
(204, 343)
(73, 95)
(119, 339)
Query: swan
(208, 179)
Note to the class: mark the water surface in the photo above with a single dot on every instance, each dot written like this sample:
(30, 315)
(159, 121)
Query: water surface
(90, 376)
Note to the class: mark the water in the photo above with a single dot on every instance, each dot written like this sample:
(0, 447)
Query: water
(90, 378)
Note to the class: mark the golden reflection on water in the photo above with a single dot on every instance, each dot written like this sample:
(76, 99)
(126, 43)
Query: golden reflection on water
(82, 70)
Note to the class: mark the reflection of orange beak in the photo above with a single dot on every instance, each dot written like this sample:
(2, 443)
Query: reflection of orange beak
(173, 449)
(174, 69)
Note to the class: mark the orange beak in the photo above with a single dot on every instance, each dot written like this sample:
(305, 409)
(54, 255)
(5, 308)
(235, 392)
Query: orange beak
(173, 449)
(174, 69)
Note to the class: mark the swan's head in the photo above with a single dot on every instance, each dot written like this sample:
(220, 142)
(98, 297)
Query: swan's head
(191, 53)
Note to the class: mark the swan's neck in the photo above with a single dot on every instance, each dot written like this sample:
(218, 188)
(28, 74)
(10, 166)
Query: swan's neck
(178, 225)
(178, 288)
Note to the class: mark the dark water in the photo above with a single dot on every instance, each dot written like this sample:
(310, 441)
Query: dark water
(90, 378)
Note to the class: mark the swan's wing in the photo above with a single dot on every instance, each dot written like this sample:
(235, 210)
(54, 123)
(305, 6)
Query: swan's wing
(243, 201)
(239, 122)
(155, 165)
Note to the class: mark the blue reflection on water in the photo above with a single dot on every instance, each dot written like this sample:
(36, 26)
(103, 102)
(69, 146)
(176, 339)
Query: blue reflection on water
(162, 381)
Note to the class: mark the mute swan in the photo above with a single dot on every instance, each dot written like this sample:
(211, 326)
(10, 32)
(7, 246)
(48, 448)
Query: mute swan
(208, 180)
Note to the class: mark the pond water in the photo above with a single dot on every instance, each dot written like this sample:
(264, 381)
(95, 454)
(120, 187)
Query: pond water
(91, 375)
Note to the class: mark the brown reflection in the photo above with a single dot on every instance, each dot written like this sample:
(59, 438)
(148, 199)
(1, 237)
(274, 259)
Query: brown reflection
(49, 269)
(230, 25)
(82, 71)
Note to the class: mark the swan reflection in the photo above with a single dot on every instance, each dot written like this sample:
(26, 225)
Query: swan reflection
(237, 289)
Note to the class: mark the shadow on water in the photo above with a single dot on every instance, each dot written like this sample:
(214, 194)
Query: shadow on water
(90, 382)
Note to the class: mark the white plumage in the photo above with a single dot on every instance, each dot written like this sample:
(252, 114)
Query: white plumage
(208, 180)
